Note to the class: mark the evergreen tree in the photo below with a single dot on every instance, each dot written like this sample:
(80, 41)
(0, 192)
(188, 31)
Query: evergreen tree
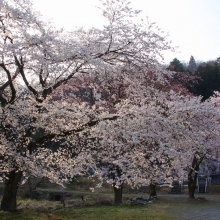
(218, 60)
(210, 80)
(192, 65)
(176, 66)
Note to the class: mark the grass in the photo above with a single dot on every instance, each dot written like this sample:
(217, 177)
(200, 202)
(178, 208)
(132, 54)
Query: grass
(98, 206)
(118, 213)
(123, 212)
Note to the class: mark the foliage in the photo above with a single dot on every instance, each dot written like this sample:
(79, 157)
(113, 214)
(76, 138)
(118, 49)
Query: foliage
(176, 66)
(210, 79)
(192, 65)
(90, 102)
(45, 59)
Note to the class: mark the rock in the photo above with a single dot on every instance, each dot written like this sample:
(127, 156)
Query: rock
(141, 200)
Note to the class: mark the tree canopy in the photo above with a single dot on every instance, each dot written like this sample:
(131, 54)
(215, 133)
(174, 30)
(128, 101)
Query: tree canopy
(95, 99)
(192, 65)
(209, 74)
(176, 66)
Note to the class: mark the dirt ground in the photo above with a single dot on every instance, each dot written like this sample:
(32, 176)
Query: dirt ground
(205, 207)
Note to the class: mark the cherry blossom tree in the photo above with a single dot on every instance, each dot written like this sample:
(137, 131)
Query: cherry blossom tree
(40, 58)
(129, 129)
(159, 137)
(204, 119)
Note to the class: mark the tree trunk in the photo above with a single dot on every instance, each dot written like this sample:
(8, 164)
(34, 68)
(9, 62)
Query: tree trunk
(193, 174)
(118, 194)
(191, 192)
(192, 185)
(191, 188)
(152, 190)
(9, 202)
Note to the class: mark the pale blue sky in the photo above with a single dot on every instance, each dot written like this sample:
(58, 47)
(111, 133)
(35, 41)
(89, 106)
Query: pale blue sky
(193, 25)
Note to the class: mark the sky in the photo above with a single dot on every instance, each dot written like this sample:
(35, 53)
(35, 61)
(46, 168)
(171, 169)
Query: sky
(193, 25)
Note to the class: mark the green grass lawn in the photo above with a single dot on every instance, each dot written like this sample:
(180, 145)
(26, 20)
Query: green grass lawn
(96, 206)
(128, 212)
(99, 206)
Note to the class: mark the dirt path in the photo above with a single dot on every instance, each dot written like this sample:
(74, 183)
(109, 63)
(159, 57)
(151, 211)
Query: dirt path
(185, 209)
(207, 213)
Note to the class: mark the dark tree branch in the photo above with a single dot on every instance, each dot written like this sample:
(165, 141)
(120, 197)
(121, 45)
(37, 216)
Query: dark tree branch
(42, 82)
(41, 140)
(5, 85)
(10, 39)
(47, 91)
(10, 82)
(20, 66)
